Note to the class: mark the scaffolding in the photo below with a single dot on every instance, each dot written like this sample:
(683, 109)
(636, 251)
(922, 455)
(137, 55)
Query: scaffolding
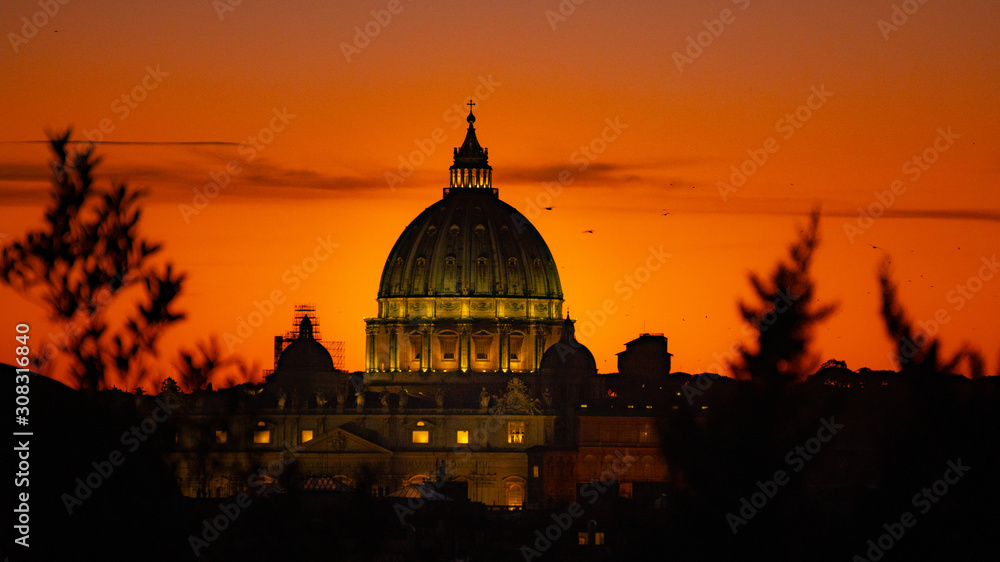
(336, 348)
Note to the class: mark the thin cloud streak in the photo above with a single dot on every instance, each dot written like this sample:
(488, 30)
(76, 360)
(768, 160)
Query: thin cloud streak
(148, 143)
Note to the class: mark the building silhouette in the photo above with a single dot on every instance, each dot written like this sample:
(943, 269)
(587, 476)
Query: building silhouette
(474, 381)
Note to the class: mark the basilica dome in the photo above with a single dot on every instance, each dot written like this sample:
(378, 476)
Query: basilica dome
(469, 285)
(470, 243)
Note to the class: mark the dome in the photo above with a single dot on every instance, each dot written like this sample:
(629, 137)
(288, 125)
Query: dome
(568, 354)
(469, 285)
(305, 353)
(470, 243)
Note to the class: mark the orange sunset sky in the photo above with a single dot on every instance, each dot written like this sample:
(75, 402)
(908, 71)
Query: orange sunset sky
(838, 103)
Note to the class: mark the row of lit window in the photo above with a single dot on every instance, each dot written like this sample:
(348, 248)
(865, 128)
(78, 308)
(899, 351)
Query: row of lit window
(262, 436)
(515, 434)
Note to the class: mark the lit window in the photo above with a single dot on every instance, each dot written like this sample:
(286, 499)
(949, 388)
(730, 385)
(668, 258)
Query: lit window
(448, 344)
(421, 436)
(534, 471)
(307, 435)
(582, 538)
(462, 437)
(421, 423)
(262, 436)
(625, 489)
(221, 436)
(483, 347)
(598, 538)
(515, 495)
(515, 432)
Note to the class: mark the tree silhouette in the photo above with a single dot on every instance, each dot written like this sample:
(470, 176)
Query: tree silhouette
(196, 367)
(785, 317)
(89, 255)
(916, 351)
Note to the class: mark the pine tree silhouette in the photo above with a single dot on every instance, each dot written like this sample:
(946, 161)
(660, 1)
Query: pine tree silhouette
(86, 257)
(785, 316)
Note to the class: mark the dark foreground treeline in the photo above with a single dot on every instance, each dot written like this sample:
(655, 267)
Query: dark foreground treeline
(909, 464)
(906, 461)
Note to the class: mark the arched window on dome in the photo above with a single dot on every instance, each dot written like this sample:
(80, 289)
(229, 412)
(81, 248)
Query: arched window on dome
(450, 284)
(514, 278)
(420, 275)
(537, 276)
(397, 275)
(483, 277)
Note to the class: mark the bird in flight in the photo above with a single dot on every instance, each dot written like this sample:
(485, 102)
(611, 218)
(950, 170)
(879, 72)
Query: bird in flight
(588, 231)
(548, 208)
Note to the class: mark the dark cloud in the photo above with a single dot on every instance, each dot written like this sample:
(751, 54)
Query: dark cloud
(596, 173)
(28, 184)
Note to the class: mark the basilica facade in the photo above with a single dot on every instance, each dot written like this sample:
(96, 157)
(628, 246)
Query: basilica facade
(472, 374)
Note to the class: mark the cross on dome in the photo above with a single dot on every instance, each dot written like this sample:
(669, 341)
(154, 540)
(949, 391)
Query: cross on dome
(471, 168)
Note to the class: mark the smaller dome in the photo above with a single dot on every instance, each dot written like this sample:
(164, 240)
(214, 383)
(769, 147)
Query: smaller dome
(305, 353)
(569, 355)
